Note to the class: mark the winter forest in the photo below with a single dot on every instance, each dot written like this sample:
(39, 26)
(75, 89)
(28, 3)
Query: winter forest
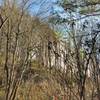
(49, 49)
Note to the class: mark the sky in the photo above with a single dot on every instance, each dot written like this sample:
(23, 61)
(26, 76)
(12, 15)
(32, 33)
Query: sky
(47, 6)
(0, 2)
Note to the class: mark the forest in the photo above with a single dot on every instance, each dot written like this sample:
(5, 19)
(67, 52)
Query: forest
(49, 49)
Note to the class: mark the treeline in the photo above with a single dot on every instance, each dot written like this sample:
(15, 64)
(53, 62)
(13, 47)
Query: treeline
(37, 64)
(23, 41)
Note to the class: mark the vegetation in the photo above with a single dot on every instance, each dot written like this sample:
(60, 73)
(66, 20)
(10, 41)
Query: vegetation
(38, 61)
